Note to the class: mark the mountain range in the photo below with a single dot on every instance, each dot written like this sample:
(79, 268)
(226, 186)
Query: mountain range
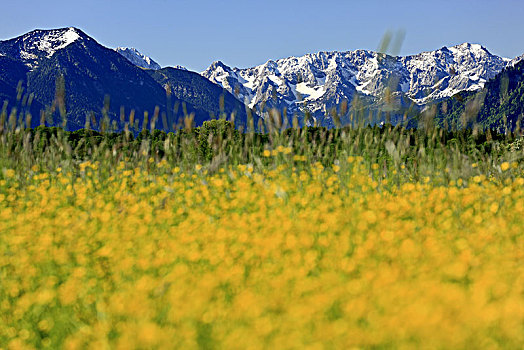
(318, 82)
(311, 87)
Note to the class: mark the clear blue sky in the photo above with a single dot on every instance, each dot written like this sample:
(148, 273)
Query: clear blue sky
(244, 33)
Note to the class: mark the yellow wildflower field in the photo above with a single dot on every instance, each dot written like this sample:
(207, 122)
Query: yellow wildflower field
(242, 258)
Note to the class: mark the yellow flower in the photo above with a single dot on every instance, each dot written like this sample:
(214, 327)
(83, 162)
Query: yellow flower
(504, 166)
(9, 173)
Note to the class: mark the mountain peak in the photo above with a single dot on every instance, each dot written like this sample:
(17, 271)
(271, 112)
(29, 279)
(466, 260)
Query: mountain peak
(40, 43)
(474, 48)
(137, 58)
(220, 64)
(50, 41)
(218, 68)
(54, 31)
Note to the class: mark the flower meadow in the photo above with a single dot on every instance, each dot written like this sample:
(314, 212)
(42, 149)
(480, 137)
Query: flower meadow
(286, 255)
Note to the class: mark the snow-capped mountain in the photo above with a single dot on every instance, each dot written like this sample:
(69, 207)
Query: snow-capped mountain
(38, 44)
(317, 82)
(137, 58)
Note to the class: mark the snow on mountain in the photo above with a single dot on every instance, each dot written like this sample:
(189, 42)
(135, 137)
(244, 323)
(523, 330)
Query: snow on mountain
(179, 67)
(54, 41)
(516, 60)
(40, 43)
(137, 58)
(320, 81)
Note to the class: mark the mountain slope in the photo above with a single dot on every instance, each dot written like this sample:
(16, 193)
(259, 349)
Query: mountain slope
(13, 77)
(317, 82)
(202, 93)
(11, 73)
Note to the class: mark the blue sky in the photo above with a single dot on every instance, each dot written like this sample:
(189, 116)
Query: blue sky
(244, 33)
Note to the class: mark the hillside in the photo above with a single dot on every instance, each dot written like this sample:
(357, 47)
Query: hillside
(199, 91)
